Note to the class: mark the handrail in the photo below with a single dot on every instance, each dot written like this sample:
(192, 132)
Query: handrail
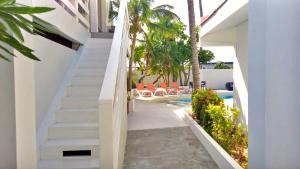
(113, 97)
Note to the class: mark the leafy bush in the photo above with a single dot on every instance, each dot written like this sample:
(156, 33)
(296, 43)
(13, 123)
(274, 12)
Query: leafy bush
(221, 122)
(221, 65)
(200, 100)
(228, 132)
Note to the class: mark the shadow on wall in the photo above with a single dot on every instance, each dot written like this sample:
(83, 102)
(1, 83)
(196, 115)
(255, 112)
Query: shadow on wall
(243, 117)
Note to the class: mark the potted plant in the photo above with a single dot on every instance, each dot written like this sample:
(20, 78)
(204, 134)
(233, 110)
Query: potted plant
(130, 103)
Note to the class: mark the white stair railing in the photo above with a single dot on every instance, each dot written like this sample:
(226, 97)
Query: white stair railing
(113, 97)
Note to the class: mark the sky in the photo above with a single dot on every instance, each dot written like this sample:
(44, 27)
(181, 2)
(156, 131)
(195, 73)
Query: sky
(224, 54)
(181, 9)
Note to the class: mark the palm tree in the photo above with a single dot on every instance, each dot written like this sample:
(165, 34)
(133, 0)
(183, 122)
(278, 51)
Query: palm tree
(12, 20)
(201, 8)
(141, 14)
(114, 6)
(195, 61)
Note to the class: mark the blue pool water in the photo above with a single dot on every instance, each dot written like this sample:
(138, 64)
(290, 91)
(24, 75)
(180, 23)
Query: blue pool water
(226, 95)
(183, 101)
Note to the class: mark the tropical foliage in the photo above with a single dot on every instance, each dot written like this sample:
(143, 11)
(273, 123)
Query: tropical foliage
(205, 56)
(114, 6)
(228, 132)
(14, 18)
(200, 101)
(141, 16)
(221, 65)
(165, 51)
(221, 122)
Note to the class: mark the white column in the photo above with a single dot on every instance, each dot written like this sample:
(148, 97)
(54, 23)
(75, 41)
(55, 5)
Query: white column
(103, 12)
(94, 15)
(25, 107)
(7, 115)
(274, 81)
(25, 113)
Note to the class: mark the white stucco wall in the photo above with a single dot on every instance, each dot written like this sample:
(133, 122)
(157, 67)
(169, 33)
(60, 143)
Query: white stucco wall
(36, 83)
(274, 137)
(215, 78)
(49, 73)
(240, 71)
(63, 20)
(7, 116)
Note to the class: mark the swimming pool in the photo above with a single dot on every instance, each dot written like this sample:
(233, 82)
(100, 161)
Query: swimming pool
(227, 96)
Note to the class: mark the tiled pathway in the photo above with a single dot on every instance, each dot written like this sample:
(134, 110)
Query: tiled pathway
(159, 139)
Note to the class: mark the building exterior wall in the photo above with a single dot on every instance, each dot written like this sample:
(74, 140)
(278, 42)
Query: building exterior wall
(274, 84)
(49, 73)
(240, 72)
(7, 116)
(215, 78)
(36, 83)
(63, 20)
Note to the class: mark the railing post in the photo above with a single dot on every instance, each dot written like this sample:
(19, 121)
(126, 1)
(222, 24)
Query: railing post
(112, 100)
(94, 15)
(106, 134)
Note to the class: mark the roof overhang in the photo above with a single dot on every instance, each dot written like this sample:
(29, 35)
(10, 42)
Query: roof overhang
(220, 30)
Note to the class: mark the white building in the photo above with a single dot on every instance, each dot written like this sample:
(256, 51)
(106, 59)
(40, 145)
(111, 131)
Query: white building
(266, 38)
(41, 103)
(55, 108)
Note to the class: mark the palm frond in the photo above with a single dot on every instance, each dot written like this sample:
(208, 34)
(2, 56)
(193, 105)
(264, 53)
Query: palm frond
(13, 21)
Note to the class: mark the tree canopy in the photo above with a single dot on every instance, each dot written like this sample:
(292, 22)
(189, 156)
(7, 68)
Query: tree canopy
(221, 65)
(205, 56)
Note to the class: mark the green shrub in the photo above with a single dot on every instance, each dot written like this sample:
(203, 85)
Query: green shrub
(228, 132)
(200, 100)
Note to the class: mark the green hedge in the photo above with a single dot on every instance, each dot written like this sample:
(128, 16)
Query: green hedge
(200, 100)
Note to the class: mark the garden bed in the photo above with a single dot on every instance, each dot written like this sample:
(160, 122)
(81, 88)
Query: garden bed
(220, 122)
(221, 157)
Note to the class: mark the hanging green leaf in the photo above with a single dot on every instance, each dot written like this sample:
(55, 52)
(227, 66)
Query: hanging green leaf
(17, 17)
(25, 10)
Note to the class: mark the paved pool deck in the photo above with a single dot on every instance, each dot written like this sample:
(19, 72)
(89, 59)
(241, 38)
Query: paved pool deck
(159, 139)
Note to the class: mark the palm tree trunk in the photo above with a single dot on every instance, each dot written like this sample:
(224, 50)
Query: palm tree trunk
(156, 80)
(195, 60)
(129, 82)
(201, 14)
(180, 78)
(201, 8)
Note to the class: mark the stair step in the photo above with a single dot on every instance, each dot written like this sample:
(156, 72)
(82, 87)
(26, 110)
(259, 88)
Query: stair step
(53, 149)
(73, 131)
(69, 164)
(77, 115)
(94, 57)
(98, 43)
(90, 72)
(79, 102)
(84, 90)
(97, 65)
(86, 80)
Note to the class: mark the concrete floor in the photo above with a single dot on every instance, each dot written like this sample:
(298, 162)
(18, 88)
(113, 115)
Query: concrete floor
(167, 143)
(151, 115)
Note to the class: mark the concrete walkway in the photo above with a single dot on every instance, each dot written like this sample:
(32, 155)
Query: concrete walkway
(159, 139)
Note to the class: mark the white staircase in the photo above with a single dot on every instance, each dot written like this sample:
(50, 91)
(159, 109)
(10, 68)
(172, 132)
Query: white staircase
(73, 140)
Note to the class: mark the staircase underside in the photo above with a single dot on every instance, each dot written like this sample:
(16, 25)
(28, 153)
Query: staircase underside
(73, 139)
